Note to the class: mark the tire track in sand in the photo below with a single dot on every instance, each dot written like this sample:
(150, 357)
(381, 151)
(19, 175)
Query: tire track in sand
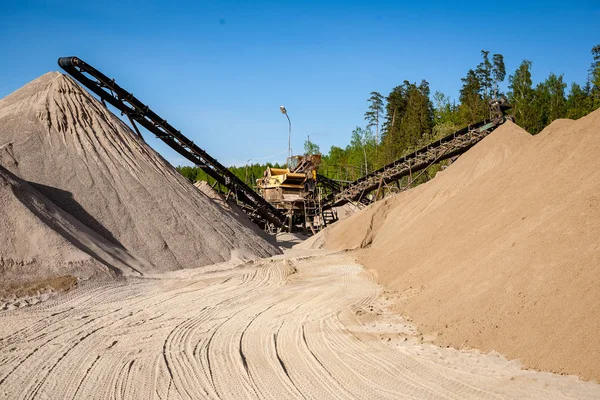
(270, 329)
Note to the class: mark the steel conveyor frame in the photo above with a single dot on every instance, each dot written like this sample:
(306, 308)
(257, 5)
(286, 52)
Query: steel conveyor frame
(443, 149)
(107, 89)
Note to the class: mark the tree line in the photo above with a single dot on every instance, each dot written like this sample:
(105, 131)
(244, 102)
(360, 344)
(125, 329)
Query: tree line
(246, 173)
(409, 117)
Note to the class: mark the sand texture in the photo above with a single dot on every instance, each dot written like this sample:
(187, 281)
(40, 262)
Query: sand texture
(39, 240)
(501, 250)
(274, 329)
(230, 207)
(78, 155)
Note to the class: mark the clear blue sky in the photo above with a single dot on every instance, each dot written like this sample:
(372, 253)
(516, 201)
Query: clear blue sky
(219, 70)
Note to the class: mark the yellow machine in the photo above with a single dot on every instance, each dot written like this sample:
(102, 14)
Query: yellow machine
(293, 189)
(290, 184)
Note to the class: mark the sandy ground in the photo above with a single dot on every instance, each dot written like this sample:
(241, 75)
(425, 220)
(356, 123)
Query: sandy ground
(500, 250)
(303, 325)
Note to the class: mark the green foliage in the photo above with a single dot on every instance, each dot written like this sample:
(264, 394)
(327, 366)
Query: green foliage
(484, 75)
(374, 112)
(535, 108)
(395, 109)
(595, 77)
(479, 87)
(356, 160)
(188, 172)
(446, 116)
(579, 101)
(550, 102)
(408, 118)
(412, 120)
(246, 173)
(522, 95)
(472, 104)
(362, 149)
(498, 72)
(311, 148)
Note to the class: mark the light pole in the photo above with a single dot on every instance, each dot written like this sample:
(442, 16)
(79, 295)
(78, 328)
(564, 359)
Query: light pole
(284, 111)
(247, 170)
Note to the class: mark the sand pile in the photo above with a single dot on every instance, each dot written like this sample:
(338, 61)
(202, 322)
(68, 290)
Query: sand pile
(347, 210)
(231, 207)
(500, 251)
(361, 227)
(79, 156)
(40, 240)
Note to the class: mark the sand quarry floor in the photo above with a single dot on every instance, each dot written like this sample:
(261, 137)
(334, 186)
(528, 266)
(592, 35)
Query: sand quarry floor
(307, 324)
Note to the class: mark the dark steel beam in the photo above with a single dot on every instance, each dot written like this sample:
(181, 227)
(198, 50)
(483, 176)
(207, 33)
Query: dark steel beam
(440, 150)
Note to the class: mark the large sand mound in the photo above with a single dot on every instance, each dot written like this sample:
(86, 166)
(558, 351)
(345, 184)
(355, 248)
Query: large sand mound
(40, 240)
(500, 251)
(361, 228)
(233, 208)
(81, 157)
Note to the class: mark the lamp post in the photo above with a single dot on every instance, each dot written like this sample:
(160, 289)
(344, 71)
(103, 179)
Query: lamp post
(284, 111)
(247, 170)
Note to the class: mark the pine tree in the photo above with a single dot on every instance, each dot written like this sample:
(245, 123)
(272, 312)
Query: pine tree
(595, 77)
(548, 103)
(409, 119)
(472, 107)
(425, 111)
(395, 109)
(498, 72)
(556, 106)
(484, 75)
(521, 96)
(578, 102)
(374, 112)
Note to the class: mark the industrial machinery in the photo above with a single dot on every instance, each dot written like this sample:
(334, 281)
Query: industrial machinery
(295, 196)
(293, 191)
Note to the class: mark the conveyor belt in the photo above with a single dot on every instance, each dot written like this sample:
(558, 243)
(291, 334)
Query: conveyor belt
(445, 148)
(331, 185)
(258, 208)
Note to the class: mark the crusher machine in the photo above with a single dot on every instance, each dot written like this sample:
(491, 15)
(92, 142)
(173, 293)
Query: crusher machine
(294, 192)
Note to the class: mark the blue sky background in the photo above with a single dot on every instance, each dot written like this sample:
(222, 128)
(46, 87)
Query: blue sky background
(219, 70)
